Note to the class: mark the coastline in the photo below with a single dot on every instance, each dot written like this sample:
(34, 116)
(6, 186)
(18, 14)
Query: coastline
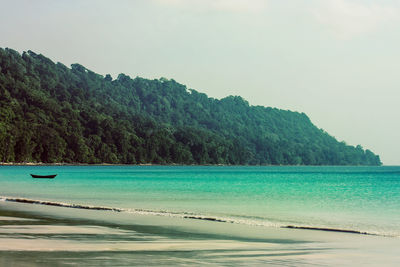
(66, 164)
(183, 215)
(169, 164)
(42, 235)
(100, 164)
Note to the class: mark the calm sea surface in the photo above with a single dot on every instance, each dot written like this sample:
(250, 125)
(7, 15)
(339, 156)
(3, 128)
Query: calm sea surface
(365, 199)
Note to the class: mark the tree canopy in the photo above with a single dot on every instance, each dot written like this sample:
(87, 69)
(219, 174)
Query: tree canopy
(51, 113)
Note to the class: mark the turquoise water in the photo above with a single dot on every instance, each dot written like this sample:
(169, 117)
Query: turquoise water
(364, 199)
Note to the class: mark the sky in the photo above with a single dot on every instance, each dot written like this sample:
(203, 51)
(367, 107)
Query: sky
(338, 61)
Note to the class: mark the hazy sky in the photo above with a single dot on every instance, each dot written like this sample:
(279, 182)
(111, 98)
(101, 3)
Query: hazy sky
(336, 60)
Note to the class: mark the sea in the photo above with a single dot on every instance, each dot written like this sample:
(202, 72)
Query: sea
(355, 200)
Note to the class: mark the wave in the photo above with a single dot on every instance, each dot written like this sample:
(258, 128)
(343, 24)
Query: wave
(58, 204)
(188, 215)
(328, 229)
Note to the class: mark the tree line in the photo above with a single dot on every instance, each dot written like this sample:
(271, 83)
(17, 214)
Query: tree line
(51, 113)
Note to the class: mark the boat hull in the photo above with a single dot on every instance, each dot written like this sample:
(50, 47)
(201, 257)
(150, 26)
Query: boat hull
(44, 176)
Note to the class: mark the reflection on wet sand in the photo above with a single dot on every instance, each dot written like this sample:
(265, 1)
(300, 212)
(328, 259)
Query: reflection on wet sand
(45, 238)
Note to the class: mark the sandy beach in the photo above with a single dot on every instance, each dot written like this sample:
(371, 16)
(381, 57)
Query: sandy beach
(34, 235)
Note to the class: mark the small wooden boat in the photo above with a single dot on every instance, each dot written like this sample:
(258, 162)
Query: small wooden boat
(44, 176)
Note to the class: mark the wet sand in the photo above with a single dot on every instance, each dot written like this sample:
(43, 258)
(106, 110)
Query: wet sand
(34, 235)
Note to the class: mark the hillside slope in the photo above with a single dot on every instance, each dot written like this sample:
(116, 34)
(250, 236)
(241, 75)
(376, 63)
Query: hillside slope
(52, 113)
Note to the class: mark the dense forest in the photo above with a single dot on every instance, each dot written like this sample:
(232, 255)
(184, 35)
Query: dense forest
(51, 113)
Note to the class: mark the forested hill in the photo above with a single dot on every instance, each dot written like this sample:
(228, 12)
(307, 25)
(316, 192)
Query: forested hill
(52, 113)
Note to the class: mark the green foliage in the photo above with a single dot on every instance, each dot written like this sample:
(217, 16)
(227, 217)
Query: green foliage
(50, 113)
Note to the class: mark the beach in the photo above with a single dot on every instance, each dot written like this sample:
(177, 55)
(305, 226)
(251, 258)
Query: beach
(64, 226)
(48, 236)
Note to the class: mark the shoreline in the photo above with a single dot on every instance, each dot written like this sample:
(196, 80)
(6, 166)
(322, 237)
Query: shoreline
(75, 164)
(184, 215)
(172, 164)
(59, 236)
(112, 164)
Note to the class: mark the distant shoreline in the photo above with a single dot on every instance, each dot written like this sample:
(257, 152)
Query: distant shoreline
(169, 164)
(112, 164)
(75, 164)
